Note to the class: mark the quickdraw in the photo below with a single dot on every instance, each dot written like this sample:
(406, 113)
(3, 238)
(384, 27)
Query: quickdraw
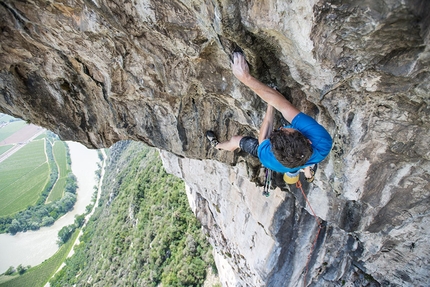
(268, 182)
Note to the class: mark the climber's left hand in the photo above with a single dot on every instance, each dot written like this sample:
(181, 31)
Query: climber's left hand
(240, 67)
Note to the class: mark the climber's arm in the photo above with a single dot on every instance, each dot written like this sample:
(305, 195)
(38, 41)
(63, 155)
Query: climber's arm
(271, 96)
(267, 124)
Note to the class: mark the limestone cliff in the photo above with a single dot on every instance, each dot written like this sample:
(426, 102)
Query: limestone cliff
(158, 71)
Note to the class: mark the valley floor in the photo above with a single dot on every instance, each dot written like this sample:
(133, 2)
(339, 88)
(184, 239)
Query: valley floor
(33, 247)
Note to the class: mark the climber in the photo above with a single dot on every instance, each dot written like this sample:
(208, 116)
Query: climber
(289, 149)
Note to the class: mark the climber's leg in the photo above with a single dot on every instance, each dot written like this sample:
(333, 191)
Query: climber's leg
(247, 144)
(231, 144)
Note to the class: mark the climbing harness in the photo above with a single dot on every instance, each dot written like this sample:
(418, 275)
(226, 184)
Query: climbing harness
(291, 178)
(268, 182)
(299, 186)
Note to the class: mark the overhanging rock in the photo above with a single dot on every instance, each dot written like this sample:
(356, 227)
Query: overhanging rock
(102, 71)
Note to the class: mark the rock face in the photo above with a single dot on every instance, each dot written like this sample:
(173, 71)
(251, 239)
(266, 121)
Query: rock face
(158, 71)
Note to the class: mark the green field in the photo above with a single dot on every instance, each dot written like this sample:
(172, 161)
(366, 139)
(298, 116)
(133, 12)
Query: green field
(41, 136)
(23, 176)
(10, 129)
(60, 156)
(39, 275)
(5, 148)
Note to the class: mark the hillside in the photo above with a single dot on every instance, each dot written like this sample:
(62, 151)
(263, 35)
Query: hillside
(143, 232)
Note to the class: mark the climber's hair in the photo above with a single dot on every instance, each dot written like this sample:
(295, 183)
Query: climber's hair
(292, 149)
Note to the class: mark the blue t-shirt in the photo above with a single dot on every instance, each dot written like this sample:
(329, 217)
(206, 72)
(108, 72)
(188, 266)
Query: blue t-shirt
(321, 143)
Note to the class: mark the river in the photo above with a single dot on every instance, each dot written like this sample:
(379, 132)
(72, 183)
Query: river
(33, 247)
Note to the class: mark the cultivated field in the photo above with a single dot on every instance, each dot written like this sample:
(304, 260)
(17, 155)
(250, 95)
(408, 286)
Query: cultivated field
(8, 129)
(5, 148)
(26, 132)
(23, 177)
(60, 156)
(28, 170)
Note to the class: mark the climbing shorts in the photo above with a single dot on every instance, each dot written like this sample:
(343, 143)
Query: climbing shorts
(249, 145)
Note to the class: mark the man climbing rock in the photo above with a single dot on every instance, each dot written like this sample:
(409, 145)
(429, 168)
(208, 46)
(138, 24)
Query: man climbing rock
(289, 149)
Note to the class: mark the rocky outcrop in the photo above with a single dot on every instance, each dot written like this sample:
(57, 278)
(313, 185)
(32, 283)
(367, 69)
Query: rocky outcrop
(158, 72)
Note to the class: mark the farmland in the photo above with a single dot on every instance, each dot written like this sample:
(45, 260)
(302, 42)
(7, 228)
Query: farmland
(23, 177)
(60, 156)
(5, 148)
(10, 128)
(34, 173)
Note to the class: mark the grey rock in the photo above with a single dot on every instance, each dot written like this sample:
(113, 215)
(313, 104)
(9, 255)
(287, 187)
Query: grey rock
(100, 71)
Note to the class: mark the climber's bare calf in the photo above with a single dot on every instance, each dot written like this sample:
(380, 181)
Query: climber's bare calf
(230, 145)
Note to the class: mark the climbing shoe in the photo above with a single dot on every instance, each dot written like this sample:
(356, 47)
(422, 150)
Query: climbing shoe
(210, 135)
(313, 171)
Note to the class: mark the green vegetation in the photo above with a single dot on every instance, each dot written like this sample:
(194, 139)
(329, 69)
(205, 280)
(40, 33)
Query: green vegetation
(60, 155)
(23, 177)
(142, 233)
(100, 155)
(42, 135)
(39, 275)
(26, 179)
(37, 216)
(11, 128)
(66, 232)
(5, 148)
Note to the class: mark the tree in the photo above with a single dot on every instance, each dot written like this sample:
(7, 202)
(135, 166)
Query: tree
(100, 154)
(98, 174)
(10, 271)
(47, 220)
(65, 233)
(71, 184)
(79, 220)
(15, 227)
(21, 269)
(88, 208)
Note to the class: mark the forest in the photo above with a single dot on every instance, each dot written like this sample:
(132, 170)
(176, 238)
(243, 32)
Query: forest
(143, 232)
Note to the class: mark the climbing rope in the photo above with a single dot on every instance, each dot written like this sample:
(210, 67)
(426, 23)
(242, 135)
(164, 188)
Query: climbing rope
(299, 185)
